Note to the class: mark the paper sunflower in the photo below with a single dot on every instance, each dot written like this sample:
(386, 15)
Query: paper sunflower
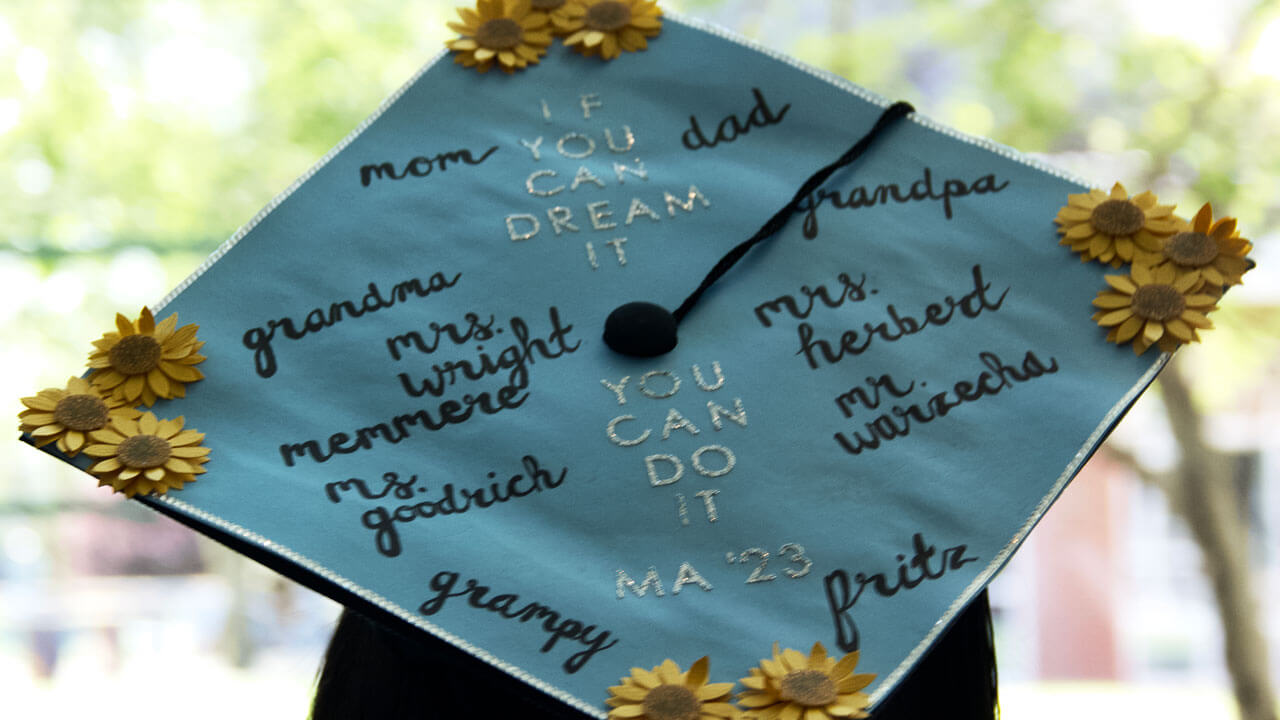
(1153, 306)
(665, 693)
(146, 455)
(67, 416)
(1211, 251)
(792, 686)
(1111, 227)
(144, 361)
(508, 32)
(606, 27)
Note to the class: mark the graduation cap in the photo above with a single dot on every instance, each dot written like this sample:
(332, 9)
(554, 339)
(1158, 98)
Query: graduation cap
(864, 361)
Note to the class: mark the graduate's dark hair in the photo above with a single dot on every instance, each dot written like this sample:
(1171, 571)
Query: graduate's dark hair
(374, 671)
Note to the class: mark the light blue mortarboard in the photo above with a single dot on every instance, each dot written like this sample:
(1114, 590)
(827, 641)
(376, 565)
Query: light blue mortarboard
(409, 405)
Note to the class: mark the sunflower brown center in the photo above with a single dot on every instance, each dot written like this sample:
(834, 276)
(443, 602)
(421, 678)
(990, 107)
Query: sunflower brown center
(1117, 218)
(135, 354)
(500, 34)
(671, 702)
(1191, 249)
(1158, 302)
(608, 16)
(545, 5)
(811, 688)
(81, 412)
(144, 451)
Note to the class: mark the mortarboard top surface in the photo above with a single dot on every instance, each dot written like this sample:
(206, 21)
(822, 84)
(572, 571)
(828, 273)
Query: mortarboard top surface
(408, 402)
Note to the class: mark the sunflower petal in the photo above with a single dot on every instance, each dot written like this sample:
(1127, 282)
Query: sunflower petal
(72, 441)
(794, 659)
(186, 437)
(1079, 232)
(133, 387)
(106, 465)
(1111, 301)
(846, 665)
(1197, 319)
(179, 466)
(107, 379)
(770, 713)
(645, 678)
(719, 709)
(1179, 329)
(627, 711)
(164, 329)
(158, 382)
(190, 453)
(40, 403)
(1203, 218)
(756, 700)
(1144, 275)
(714, 691)
(1123, 283)
(697, 675)
(181, 373)
(773, 668)
(146, 322)
(609, 46)
(1115, 317)
(629, 692)
(755, 682)
(1145, 200)
(47, 430)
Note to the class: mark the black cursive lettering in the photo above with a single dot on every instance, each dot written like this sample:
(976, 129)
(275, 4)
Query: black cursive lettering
(421, 166)
(900, 420)
(918, 191)
(730, 128)
(898, 325)
(841, 597)
(259, 339)
(385, 521)
(553, 623)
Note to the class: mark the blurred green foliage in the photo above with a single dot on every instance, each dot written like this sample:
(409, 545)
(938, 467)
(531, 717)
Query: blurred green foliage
(160, 126)
(170, 123)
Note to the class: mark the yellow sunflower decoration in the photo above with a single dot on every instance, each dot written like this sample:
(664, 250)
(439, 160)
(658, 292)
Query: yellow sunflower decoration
(1153, 306)
(606, 27)
(144, 361)
(146, 455)
(557, 12)
(511, 33)
(1110, 227)
(791, 686)
(1211, 251)
(665, 693)
(67, 416)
